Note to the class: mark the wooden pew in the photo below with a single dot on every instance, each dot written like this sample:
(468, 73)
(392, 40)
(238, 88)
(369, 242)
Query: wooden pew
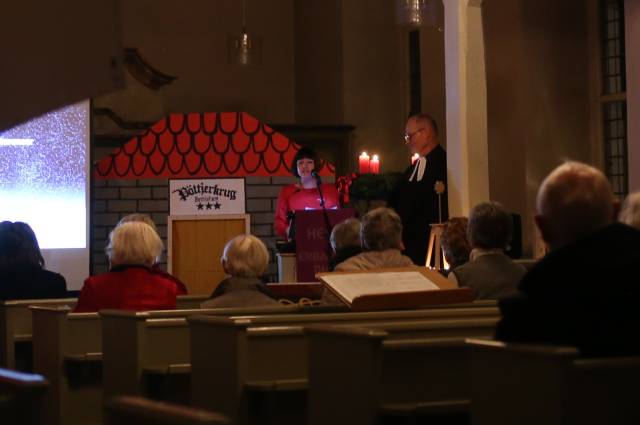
(375, 374)
(67, 351)
(16, 330)
(537, 384)
(21, 397)
(236, 359)
(129, 410)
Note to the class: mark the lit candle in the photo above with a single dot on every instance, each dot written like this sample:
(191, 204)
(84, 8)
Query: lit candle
(414, 158)
(374, 165)
(363, 163)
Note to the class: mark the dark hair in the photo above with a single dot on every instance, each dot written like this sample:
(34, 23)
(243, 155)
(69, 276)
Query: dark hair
(455, 245)
(19, 245)
(490, 226)
(302, 154)
(427, 119)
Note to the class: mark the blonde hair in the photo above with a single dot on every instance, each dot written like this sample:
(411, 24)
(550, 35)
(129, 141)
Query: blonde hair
(134, 242)
(345, 233)
(630, 212)
(245, 256)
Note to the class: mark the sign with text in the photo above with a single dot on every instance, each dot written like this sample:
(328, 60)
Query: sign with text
(206, 197)
(312, 240)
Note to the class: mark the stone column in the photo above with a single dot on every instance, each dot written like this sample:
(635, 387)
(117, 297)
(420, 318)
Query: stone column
(466, 91)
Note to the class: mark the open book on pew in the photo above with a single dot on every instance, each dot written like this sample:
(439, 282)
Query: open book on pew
(394, 288)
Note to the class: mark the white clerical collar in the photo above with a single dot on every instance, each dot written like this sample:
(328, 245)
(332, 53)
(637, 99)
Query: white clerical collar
(418, 170)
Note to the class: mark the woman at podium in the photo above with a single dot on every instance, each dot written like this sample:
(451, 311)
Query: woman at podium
(303, 195)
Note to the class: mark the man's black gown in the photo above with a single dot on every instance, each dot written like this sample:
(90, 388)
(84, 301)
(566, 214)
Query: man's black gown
(417, 204)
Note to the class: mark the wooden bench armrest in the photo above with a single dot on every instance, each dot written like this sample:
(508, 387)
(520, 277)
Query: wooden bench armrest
(426, 408)
(277, 385)
(172, 369)
(22, 337)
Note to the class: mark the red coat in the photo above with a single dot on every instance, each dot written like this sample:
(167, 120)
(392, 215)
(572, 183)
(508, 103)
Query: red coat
(127, 288)
(293, 198)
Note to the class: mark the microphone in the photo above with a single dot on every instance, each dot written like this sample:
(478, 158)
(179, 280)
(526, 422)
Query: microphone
(316, 176)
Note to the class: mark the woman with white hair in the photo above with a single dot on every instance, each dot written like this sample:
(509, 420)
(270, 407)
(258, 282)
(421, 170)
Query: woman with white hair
(630, 211)
(129, 284)
(244, 259)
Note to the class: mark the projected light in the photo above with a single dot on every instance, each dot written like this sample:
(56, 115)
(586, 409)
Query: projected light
(43, 176)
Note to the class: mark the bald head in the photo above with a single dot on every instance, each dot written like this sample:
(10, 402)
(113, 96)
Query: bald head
(573, 201)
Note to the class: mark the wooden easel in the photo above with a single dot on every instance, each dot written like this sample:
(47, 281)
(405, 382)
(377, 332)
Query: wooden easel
(435, 246)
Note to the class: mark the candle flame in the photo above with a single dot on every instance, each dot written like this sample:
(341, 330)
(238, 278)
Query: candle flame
(375, 157)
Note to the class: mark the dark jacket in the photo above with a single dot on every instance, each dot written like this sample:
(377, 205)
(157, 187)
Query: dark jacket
(417, 204)
(240, 292)
(584, 294)
(30, 282)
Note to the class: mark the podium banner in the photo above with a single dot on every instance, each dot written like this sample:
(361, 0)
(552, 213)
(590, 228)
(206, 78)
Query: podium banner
(312, 240)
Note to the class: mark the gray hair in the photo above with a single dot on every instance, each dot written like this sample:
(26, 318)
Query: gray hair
(381, 229)
(134, 242)
(245, 256)
(630, 212)
(346, 233)
(574, 200)
(490, 226)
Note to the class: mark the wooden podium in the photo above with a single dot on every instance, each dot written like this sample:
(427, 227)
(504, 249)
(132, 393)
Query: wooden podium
(195, 245)
(312, 240)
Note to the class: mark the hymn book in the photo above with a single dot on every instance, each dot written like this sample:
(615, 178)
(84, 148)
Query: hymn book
(393, 288)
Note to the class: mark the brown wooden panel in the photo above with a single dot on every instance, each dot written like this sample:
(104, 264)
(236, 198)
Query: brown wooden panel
(196, 250)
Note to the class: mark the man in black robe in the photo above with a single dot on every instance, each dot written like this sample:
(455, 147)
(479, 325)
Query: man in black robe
(415, 197)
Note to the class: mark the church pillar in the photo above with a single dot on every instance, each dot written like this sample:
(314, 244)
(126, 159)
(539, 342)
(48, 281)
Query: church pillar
(466, 96)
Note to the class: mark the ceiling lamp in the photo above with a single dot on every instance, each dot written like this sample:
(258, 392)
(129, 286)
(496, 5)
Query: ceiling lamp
(245, 49)
(416, 13)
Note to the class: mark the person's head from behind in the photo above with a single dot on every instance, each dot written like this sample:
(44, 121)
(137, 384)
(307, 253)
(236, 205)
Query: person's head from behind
(381, 230)
(630, 212)
(345, 234)
(421, 133)
(138, 217)
(490, 226)
(304, 162)
(19, 245)
(455, 245)
(573, 201)
(134, 243)
(245, 256)
(9, 245)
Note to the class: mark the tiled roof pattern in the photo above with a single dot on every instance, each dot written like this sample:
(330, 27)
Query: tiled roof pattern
(224, 144)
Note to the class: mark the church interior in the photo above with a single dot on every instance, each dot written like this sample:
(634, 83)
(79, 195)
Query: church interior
(516, 87)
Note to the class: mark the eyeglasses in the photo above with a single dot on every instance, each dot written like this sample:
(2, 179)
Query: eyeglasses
(408, 136)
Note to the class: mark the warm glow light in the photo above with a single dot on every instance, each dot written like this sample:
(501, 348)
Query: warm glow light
(364, 163)
(374, 165)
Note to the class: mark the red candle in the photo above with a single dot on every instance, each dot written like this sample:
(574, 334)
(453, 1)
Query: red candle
(374, 165)
(363, 163)
(414, 158)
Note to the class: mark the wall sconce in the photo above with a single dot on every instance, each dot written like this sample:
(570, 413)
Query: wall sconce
(245, 49)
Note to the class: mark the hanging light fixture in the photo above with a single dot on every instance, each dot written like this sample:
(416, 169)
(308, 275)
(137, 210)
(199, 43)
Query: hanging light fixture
(245, 49)
(416, 13)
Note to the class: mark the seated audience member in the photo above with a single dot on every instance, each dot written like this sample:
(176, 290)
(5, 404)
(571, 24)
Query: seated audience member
(455, 246)
(22, 273)
(381, 236)
(489, 272)
(583, 292)
(129, 284)
(144, 218)
(345, 241)
(630, 212)
(244, 259)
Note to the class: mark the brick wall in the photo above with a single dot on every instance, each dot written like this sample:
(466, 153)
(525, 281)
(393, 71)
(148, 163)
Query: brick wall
(113, 199)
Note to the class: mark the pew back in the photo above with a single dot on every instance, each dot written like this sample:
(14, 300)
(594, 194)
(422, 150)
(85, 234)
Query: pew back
(16, 328)
(21, 397)
(129, 410)
(533, 384)
(67, 350)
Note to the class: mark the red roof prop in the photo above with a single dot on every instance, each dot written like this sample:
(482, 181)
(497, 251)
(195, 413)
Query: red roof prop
(224, 144)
